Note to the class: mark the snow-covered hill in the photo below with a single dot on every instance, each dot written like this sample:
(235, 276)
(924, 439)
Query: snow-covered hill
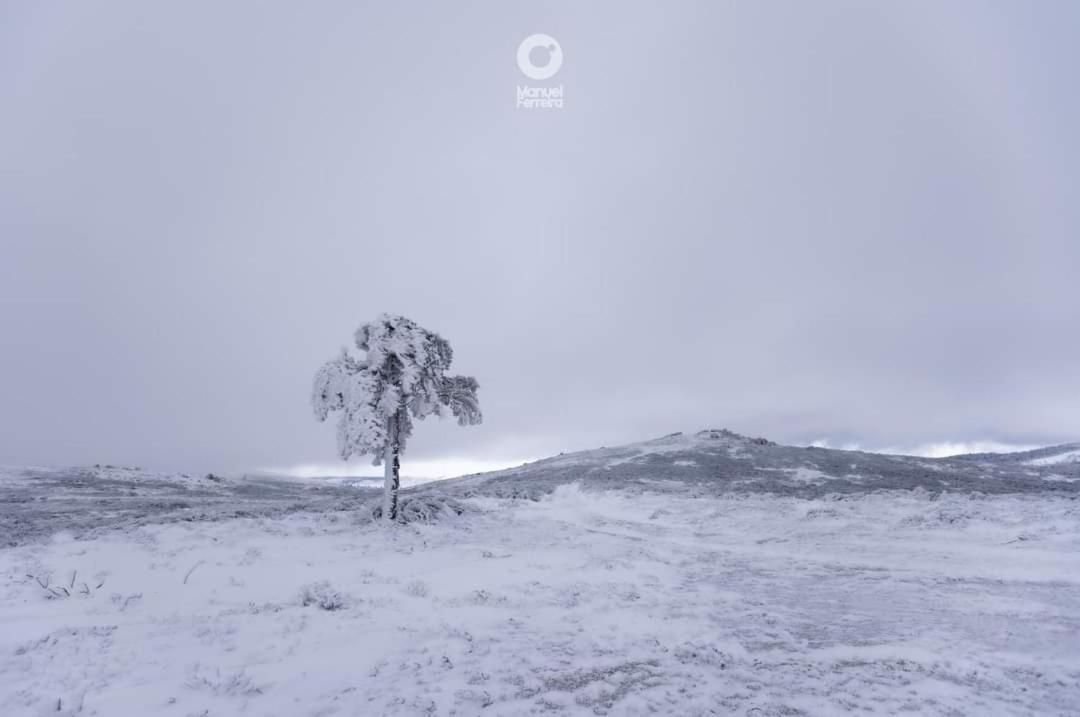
(714, 462)
(84, 501)
(1068, 453)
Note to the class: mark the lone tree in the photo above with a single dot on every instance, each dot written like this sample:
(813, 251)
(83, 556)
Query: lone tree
(402, 377)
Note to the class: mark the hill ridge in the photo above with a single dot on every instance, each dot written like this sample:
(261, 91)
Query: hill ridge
(714, 461)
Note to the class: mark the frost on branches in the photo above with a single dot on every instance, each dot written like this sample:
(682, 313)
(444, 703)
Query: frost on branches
(402, 377)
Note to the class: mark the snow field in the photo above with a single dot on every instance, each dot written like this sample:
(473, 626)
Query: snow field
(581, 603)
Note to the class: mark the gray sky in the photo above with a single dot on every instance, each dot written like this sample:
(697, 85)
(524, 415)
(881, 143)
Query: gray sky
(835, 220)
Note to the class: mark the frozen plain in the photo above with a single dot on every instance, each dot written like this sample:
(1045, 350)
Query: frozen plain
(693, 575)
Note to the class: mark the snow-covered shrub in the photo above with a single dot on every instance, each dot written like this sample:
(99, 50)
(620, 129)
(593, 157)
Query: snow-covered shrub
(227, 683)
(417, 588)
(423, 509)
(510, 491)
(323, 596)
(700, 653)
(942, 514)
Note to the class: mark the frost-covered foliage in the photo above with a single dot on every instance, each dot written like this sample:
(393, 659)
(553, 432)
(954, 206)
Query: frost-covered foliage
(401, 377)
(223, 683)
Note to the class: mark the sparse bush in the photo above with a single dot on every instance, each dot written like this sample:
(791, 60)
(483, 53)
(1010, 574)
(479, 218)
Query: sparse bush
(323, 596)
(70, 588)
(125, 601)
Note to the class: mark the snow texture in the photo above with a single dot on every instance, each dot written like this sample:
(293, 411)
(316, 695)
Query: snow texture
(580, 603)
(648, 579)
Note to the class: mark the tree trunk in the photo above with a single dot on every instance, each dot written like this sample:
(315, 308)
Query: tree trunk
(392, 467)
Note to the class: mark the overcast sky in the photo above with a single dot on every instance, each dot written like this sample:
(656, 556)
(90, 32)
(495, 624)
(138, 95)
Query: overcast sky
(837, 221)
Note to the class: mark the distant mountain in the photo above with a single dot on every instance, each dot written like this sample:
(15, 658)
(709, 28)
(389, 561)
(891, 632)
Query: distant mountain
(721, 461)
(37, 502)
(350, 481)
(1068, 453)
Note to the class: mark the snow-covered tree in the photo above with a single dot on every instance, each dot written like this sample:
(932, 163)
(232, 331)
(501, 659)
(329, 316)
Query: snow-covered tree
(401, 377)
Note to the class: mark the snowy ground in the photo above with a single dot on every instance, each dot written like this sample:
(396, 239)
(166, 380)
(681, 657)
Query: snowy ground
(579, 603)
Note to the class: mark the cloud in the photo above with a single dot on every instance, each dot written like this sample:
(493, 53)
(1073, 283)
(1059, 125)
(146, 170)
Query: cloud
(789, 221)
(941, 449)
(432, 469)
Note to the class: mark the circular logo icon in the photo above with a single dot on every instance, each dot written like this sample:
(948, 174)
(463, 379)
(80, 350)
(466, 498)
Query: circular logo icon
(539, 57)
